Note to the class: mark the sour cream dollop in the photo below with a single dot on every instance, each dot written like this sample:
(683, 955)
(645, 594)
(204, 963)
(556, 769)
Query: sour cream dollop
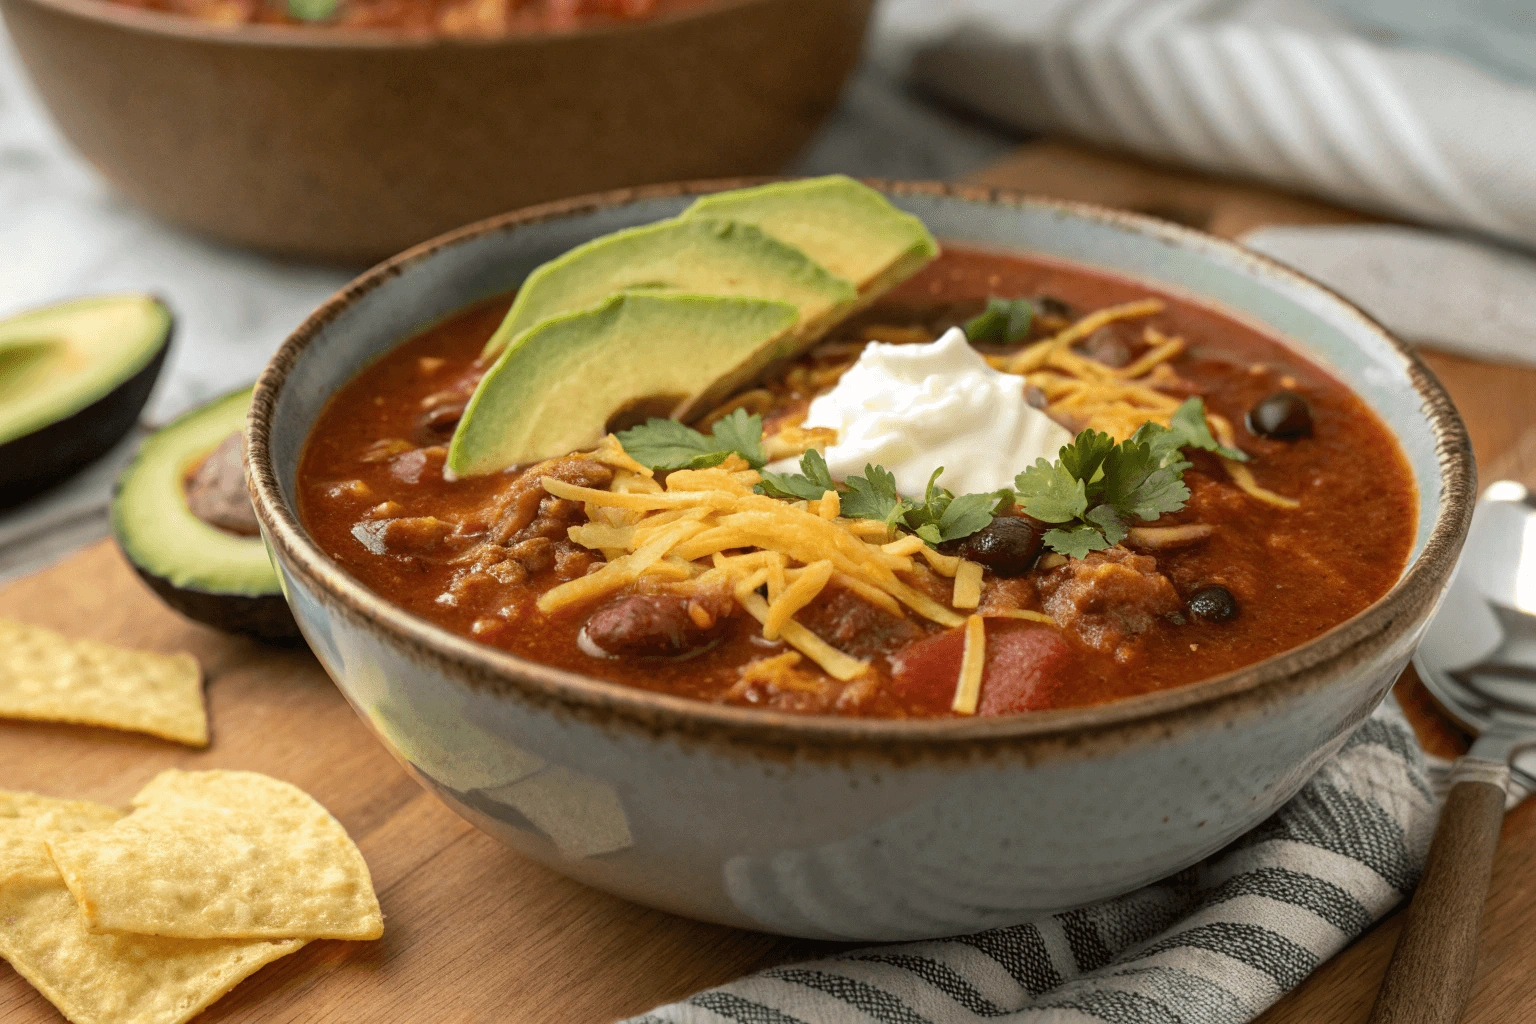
(914, 408)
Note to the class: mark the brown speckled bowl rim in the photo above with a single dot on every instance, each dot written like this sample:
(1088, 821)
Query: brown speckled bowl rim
(184, 27)
(1221, 699)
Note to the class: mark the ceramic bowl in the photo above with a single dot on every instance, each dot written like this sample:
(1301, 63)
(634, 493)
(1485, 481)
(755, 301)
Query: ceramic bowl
(349, 146)
(837, 828)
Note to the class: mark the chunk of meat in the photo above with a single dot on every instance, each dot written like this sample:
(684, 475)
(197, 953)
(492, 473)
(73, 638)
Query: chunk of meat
(525, 500)
(1027, 668)
(411, 535)
(854, 626)
(216, 491)
(1109, 598)
(648, 624)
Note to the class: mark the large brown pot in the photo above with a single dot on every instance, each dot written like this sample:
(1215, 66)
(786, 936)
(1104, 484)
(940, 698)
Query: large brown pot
(350, 146)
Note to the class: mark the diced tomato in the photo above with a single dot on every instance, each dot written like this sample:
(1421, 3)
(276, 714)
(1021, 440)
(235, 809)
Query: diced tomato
(1026, 667)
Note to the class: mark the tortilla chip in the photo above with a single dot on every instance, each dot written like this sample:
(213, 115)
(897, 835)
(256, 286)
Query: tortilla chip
(24, 817)
(100, 979)
(117, 979)
(221, 855)
(48, 677)
(64, 815)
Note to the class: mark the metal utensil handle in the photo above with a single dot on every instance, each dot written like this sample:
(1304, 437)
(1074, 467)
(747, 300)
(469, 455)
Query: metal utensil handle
(1430, 975)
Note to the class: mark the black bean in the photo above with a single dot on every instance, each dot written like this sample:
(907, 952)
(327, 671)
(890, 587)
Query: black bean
(1213, 603)
(1008, 546)
(1283, 416)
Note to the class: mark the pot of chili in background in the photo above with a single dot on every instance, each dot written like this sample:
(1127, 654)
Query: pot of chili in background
(382, 124)
(902, 822)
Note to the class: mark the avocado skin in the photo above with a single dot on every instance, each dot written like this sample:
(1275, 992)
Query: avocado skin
(266, 618)
(34, 462)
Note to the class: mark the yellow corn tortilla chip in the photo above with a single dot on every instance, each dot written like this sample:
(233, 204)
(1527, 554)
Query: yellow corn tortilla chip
(63, 815)
(221, 855)
(100, 979)
(48, 677)
(117, 979)
(24, 817)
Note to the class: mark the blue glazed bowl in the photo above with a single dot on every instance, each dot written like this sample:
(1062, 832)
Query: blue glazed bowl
(840, 828)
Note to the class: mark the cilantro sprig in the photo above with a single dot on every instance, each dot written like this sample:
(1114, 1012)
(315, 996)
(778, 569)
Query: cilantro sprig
(939, 517)
(1005, 320)
(1091, 494)
(667, 444)
(1096, 487)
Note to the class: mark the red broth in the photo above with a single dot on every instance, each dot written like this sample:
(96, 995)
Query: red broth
(1294, 573)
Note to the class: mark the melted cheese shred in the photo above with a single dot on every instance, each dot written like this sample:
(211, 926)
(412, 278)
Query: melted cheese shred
(972, 663)
(1118, 401)
(707, 529)
(967, 585)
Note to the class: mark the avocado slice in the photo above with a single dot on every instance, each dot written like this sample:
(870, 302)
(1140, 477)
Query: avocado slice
(555, 390)
(73, 378)
(219, 575)
(695, 257)
(843, 224)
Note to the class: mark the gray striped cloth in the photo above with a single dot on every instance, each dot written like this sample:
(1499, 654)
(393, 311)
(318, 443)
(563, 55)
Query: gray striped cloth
(1215, 944)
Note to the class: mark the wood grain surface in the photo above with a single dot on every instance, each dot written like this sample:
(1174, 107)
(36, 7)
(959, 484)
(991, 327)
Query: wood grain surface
(473, 932)
(1432, 966)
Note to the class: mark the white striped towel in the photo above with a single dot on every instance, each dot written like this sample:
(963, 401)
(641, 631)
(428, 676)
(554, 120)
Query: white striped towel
(1417, 109)
(1215, 944)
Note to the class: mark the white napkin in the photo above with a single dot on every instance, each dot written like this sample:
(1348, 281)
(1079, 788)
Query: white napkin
(1341, 98)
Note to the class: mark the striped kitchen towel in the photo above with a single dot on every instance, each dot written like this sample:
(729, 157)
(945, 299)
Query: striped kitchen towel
(1215, 944)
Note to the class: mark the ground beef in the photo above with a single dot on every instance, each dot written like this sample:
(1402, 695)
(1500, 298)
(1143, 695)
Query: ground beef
(526, 530)
(525, 509)
(216, 491)
(1108, 598)
(854, 626)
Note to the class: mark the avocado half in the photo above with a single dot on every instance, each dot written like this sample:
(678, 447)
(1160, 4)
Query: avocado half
(212, 575)
(73, 378)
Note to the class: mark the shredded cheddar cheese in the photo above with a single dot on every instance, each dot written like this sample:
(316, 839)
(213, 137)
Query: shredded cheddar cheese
(972, 663)
(967, 585)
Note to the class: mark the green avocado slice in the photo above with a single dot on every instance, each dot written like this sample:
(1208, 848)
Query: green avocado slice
(843, 224)
(217, 577)
(555, 390)
(73, 379)
(695, 257)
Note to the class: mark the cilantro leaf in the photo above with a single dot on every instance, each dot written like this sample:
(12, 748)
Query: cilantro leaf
(873, 496)
(965, 515)
(1083, 457)
(743, 434)
(1005, 320)
(1098, 487)
(1190, 430)
(668, 444)
(1050, 493)
(1076, 542)
(809, 484)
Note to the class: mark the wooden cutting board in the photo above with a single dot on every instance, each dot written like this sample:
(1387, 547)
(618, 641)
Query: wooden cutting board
(474, 932)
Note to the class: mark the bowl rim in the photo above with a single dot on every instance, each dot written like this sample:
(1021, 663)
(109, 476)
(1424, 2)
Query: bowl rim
(1252, 686)
(303, 37)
